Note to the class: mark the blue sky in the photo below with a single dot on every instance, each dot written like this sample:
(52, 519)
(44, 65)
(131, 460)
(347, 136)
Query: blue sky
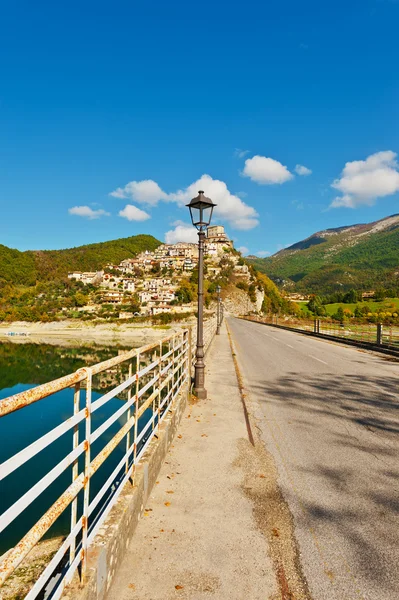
(142, 99)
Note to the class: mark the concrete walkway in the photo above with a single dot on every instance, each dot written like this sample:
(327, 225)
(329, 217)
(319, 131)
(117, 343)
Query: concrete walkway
(198, 537)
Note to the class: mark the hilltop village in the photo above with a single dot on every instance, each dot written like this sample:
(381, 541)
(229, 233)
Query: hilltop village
(153, 282)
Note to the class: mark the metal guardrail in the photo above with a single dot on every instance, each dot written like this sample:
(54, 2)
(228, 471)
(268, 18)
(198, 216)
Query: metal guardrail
(381, 336)
(149, 380)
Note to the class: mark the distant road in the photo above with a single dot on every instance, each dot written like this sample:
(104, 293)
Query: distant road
(329, 414)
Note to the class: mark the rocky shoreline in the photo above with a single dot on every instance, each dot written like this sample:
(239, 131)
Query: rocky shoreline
(72, 332)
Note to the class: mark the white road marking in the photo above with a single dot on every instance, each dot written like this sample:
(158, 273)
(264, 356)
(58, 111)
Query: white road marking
(319, 359)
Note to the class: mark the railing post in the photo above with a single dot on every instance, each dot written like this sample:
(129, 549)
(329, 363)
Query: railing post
(159, 384)
(129, 414)
(379, 334)
(136, 410)
(75, 470)
(190, 352)
(86, 489)
(315, 326)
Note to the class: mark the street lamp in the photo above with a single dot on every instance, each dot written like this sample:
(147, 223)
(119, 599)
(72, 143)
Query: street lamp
(201, 209)
(218, 319)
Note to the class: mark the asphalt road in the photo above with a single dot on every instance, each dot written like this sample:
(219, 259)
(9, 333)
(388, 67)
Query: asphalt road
(329, 415)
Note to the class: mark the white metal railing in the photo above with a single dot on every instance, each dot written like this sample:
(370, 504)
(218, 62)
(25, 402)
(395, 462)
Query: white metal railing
(360, 332)
(147, 380)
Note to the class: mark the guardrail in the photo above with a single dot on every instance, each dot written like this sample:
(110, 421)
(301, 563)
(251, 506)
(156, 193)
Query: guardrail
(146, 381)
(378, 335)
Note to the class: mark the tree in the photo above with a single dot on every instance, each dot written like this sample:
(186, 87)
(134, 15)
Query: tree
(133, 304)
(242, 285)
(314, 304)
(339, 315)
(350, 297)
(358, 312)
(80, 299)
(184, 293)
(379, 294)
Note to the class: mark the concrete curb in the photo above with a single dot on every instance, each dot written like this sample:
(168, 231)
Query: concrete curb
(113, 539)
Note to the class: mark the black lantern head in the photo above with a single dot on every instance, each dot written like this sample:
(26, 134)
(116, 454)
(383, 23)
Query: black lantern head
(201, 209)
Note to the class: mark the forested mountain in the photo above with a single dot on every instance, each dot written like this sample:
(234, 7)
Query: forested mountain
(31, 266)
(357, 256)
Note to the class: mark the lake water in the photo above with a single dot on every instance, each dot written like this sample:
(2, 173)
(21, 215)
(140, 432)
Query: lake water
(22, 366)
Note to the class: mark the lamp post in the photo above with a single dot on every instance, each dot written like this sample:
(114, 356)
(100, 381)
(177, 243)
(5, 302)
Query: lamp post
(218, 318)
(201, 209)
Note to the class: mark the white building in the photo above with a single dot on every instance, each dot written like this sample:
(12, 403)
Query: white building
(86, 277)
(128, 285)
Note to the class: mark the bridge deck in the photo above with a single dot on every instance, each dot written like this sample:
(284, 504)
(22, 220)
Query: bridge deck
(198, 537)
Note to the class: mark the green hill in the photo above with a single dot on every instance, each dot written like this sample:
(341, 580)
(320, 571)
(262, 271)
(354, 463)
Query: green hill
(358, 256)
(31, 266)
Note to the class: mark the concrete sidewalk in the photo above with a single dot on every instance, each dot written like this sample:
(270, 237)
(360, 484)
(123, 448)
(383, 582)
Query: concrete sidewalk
(198, 537)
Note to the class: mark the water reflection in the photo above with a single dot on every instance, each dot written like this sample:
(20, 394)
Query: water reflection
(23, 366)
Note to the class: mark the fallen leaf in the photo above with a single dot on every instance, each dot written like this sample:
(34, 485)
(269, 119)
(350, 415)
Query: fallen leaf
(275, 532)
(204, 435)
(262, 476)
(214, 414)
(157, 482)
(179, 436)
(167, 503)
(188, 416)
(170, 492)
(168, 477)
(162, 530)
(131, 586)
(179, 587)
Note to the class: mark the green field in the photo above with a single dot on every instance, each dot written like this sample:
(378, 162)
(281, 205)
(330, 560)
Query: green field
(388, 305)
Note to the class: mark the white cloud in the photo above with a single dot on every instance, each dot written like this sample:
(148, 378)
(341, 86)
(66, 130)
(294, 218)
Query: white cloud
(118, 193)
(144, 192)
(238, 153)
(243, 250)
(181, 233)
(362, 182)
(230, 208)
(263, 253)
(132, 213)
(89, 213)
(301, 170)
(266, 171)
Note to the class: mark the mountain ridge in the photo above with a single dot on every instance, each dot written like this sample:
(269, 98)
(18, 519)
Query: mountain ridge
(354, 256)
(30, 266)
